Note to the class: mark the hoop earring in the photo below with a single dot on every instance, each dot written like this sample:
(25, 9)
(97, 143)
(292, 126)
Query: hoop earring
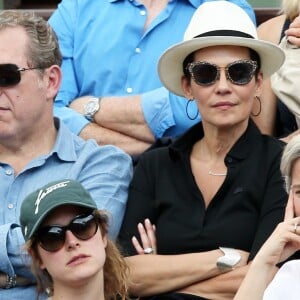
(187, 111)
(259, 111)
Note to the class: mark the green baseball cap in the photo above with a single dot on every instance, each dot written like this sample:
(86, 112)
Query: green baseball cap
(37, 205)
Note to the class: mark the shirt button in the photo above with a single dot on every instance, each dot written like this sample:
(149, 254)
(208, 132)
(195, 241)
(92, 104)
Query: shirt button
(138, 50)
(229, 159)
(10, 206)
(142, 12)
(9, 172)
(129, 90)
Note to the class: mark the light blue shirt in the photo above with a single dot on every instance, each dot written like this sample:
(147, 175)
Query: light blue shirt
(106, 52)
(104, 171)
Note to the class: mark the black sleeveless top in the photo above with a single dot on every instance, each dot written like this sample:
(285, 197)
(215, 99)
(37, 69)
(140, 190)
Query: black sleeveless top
(285, 120)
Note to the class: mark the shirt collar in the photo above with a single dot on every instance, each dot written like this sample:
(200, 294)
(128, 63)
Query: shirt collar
(195, 3)
(242, 148)
(64, 150)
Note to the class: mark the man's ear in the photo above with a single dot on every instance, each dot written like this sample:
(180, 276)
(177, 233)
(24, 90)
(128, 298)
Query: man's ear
(53, 77)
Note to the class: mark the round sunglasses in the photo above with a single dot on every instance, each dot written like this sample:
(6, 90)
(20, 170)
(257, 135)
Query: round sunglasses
(10, 74)
(52, 238)
(239, 72)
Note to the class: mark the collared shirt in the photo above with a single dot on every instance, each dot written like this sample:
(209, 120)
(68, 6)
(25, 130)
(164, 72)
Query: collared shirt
(104, 171)
(242, 214)
(107, 53)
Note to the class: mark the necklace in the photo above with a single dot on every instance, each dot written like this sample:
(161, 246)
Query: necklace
(216, 174)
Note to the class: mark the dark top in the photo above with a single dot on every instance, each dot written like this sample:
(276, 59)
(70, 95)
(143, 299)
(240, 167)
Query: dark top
(243, 213)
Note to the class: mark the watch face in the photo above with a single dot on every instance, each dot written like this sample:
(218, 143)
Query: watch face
(91, 107)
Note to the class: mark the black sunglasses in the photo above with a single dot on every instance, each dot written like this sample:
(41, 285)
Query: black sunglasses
(52, 238)
(239, 72)
(10, 74)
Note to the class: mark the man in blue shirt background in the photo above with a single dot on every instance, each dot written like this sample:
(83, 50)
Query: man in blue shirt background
(110, 49)
(36, 149)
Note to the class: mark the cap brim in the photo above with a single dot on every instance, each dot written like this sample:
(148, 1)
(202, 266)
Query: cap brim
(170, 65)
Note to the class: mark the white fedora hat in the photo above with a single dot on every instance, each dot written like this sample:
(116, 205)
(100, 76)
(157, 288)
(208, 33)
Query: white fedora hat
(216, 23)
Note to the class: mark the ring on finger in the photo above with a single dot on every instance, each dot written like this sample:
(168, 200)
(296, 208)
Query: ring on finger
(295, 227)
(148, 250)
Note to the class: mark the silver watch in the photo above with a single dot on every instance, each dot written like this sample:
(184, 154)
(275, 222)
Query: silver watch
(91, 107)
(230, 259)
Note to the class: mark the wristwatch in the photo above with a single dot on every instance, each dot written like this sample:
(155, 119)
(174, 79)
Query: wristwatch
(230, 259)
(91, 107)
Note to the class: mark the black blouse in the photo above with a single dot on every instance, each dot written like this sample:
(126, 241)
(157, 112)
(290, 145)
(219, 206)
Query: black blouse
(242, 214)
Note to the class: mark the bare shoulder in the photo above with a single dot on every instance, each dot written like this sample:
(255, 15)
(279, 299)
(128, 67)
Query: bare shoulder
(270, 30)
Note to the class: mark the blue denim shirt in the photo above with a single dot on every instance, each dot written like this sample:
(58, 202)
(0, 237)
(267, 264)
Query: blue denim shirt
(107, 53)
(105, 171)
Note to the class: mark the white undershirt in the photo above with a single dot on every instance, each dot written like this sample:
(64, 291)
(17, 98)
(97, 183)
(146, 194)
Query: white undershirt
(286, 283)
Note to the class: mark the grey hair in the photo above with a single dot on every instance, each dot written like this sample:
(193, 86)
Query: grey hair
(290, 154)
(43, 49)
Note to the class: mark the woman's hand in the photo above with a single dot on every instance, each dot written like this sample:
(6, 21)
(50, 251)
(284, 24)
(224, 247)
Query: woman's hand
(285, 240)
(148, 238)
(293, 33)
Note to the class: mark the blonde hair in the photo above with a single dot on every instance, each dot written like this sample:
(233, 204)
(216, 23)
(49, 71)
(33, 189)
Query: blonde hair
(290, 154)
(115, 269)
(291, 8)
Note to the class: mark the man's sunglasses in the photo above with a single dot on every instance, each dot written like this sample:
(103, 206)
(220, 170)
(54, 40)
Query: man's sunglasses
(238, 72)
(10, 74)
(52, 238)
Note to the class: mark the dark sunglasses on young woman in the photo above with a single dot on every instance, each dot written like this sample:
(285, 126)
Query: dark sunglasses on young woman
(10, 74)
(239, 72)
(52, 238)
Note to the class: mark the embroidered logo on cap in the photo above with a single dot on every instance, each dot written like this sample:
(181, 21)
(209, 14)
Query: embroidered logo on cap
(42, 194)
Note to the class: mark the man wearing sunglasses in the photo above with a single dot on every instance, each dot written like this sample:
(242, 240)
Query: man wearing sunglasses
(36, 148)
(113, 54)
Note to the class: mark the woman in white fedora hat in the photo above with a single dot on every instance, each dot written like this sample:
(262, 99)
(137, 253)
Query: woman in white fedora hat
(216, 193)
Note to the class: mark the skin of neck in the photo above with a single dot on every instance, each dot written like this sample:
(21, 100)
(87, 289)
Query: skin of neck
(90, 288)
(218, 141)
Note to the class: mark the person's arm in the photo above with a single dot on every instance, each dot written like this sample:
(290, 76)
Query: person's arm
(104, 136)
(283, 242)
(121, 114)
(223, 286)
(155, 274)
(11, 254)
